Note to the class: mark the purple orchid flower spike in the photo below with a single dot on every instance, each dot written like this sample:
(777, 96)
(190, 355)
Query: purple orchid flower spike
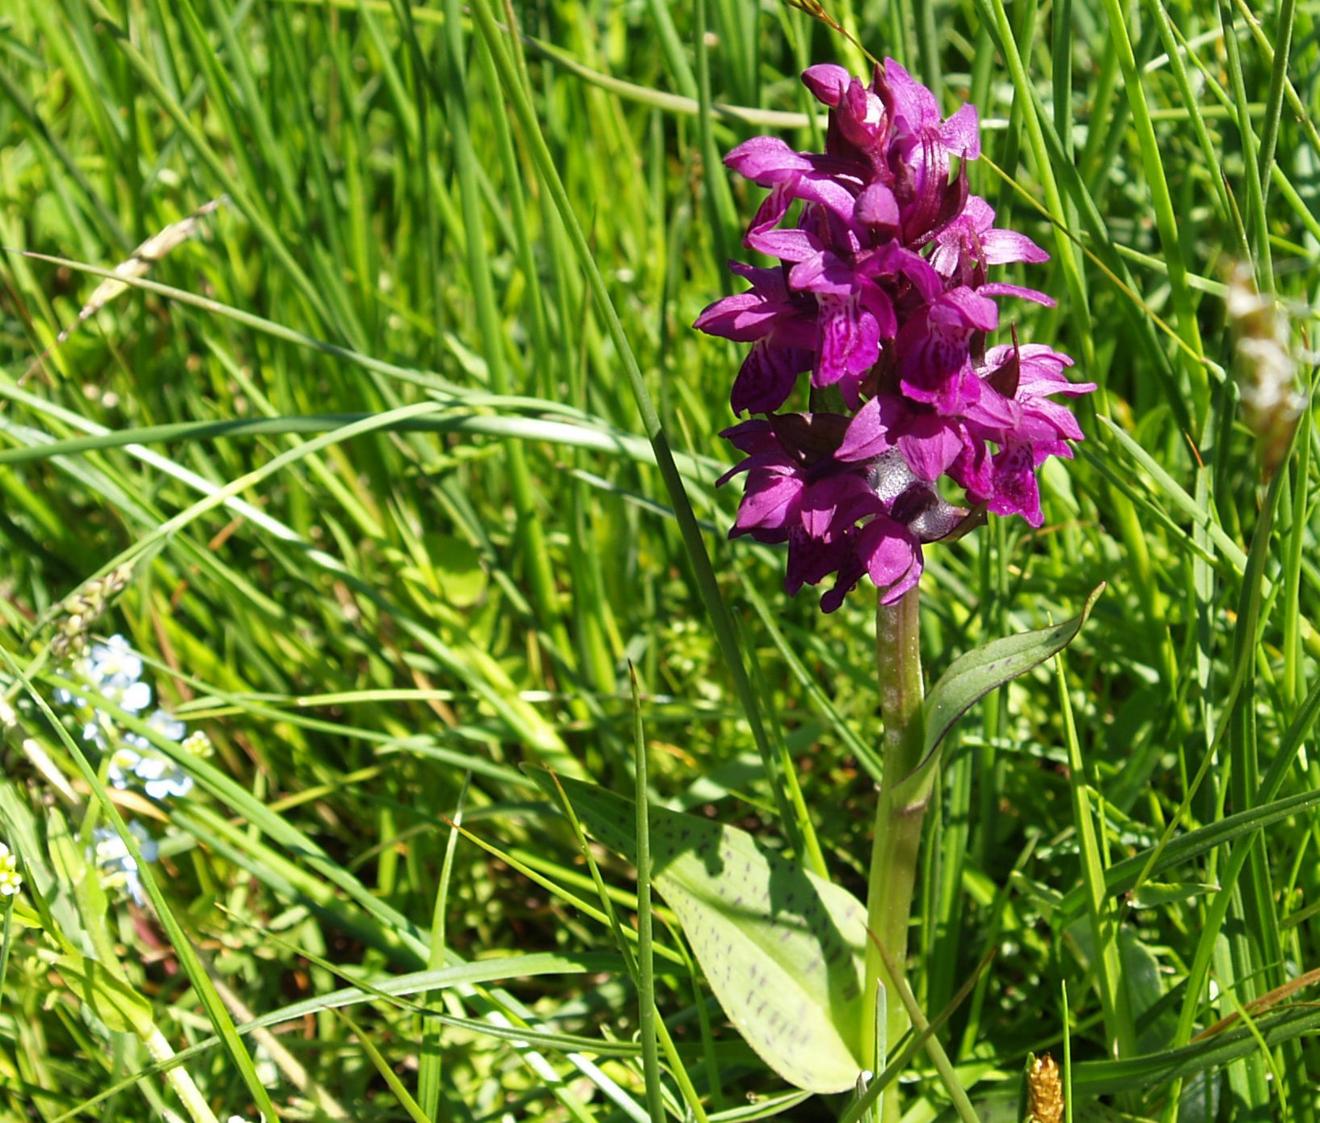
(881, 293)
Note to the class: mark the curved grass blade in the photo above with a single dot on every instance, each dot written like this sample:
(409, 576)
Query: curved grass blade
(1095, 1078)
(803, 841)
(522, 428)
(189, 960)
(396, 986)
(1122, 876)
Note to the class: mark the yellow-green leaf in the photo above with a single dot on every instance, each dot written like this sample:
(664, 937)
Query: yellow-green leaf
(109, 998)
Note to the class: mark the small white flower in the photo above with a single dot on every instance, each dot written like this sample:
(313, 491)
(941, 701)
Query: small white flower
(115, 659)
(134, 697)
(123, 766)
(118, 866)
(160, 777)
(162, 723)
(11, 881)
(115, 669)
(198, 744)
(66, 698)
(163, 778)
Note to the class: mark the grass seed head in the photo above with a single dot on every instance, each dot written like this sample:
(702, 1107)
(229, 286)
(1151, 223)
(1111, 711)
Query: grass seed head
(1044, 1091)
(1271, 403)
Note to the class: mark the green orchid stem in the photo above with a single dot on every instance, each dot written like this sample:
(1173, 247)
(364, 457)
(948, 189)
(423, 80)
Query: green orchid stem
(904, 795)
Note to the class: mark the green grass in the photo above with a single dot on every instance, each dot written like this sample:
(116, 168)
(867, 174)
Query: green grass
(409, 450)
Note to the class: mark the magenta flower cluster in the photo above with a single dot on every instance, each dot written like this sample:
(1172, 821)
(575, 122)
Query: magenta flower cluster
(881, 294)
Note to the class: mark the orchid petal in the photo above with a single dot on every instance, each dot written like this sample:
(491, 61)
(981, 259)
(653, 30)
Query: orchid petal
(766, 377)
(827, 82)
(961, 133)
(766, 160)
(1003, 247)
(869, 432)
(997, 288)
(930, 445)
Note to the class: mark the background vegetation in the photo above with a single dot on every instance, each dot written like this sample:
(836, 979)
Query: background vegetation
(369, 450)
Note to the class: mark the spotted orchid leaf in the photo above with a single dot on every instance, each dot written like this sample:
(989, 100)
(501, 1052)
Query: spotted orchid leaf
(781, 948)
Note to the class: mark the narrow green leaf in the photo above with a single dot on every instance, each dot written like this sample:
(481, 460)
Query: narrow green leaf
(781, 948)
(766, 1108)
(1093, 1078)
(645, 958)
(429, 1068)
(1122, 876)
(109, 998)
(972, 676)
(1158, 894)
(387, 1073)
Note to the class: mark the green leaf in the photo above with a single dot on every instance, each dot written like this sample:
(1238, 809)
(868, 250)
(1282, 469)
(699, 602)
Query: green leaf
(782, 948)
(1158, 894)
(109, 998)
(462, 580)
(972, 676)
(1121, 876)
(1107, 1077)
(387, 1073)
(1145, 987)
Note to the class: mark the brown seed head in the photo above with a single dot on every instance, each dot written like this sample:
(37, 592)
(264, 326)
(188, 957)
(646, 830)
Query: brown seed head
(82, 609)
(1271, 403)
(1044, 1091)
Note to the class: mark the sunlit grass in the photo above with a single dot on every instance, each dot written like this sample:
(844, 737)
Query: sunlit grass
(410, 451)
